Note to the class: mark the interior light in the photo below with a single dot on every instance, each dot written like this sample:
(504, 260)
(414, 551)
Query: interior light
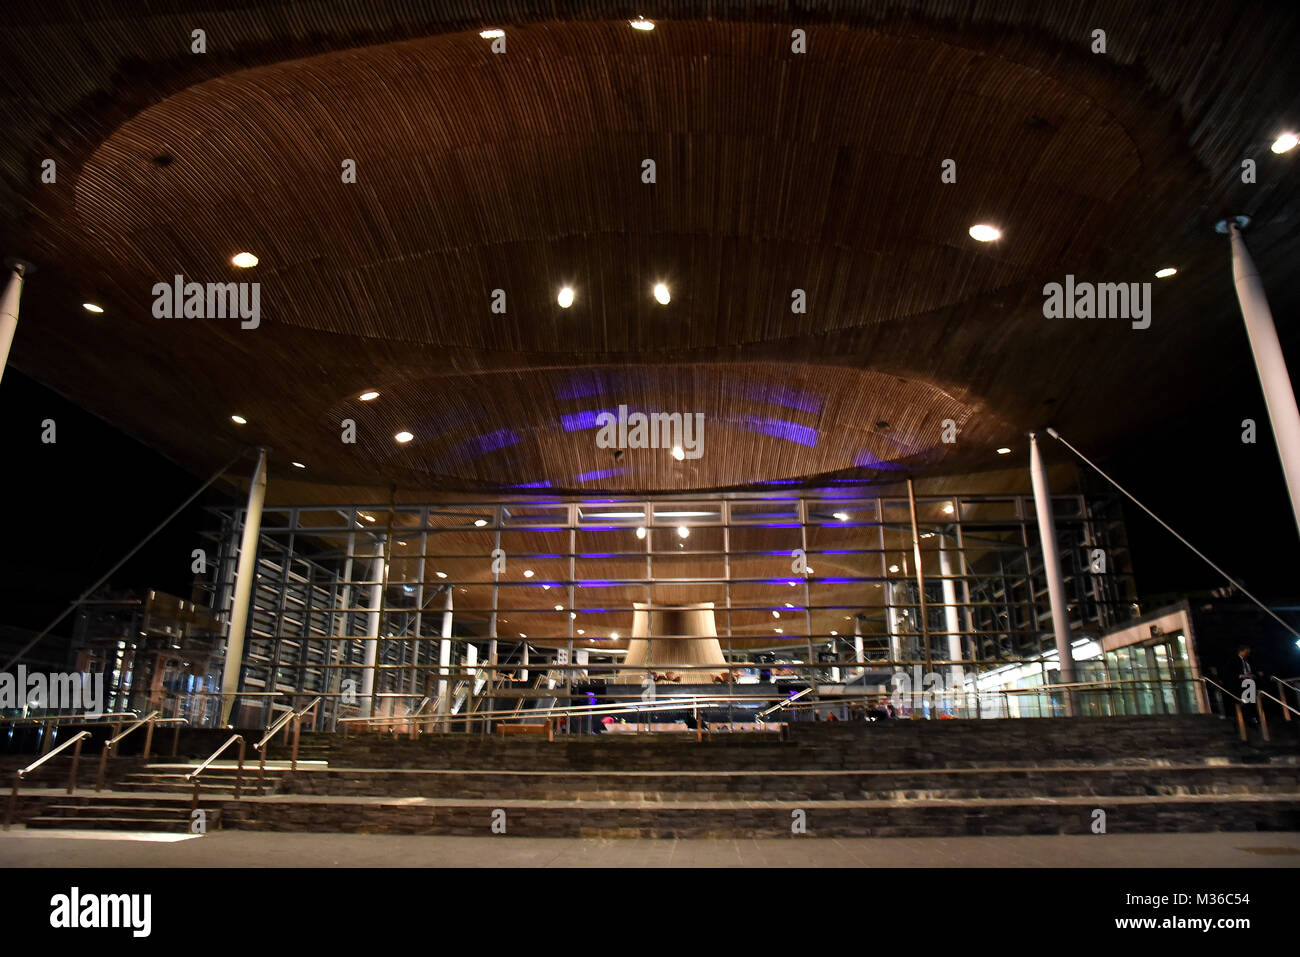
(91, 307)
(491, 34)
(403, 436)
(581, 632)
(641, 23)
(441, 574)
(1285, 142)
(834, 632)
(683, 531)
(480, 522)
(775, 613)
(948, 509)
(788, 605)
(662, 296)
(298, 465)
(842, 516)
(779, 631)
(565, 298)
(238, 420)
(640, 532)
(244, 260)
(367, 396)
(528, 573)
(613, 634)
(546, 588)
(1166, 272)
(1004, 451)
(678, 454)
(893, 568)
(985, 233)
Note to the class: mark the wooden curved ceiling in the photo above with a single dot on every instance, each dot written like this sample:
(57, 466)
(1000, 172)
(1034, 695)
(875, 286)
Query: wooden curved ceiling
(522, 172)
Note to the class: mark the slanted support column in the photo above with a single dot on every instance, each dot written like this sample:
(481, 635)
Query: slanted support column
(245, 574)
(1052, 566)
(367, 700)
(445, 685)
(952, 621)
(9, 308)
(1279, 397)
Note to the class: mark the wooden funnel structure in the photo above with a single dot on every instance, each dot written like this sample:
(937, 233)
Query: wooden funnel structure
(672, 639)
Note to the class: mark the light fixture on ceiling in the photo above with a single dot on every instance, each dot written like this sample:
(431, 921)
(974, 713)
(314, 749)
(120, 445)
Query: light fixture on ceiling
(641, 23)
(480, 522)
(546, 588)
(842, 516)
(834, 632)
(565, 298)
(678, 453)
(298, 465)
(893, 568)
(238, 420)
(491, 34)
(662, 296)
(559, 608)
(948, 509)
(775, 613)
(985, 233)
(368, 518)
(1004, 451)
(403, 437)
(367, 396)
(779, 631)
(613, 634)
(1284, 143)
(572, 615)
(581, 632)
(522, 635)
(1166, 272)
(528, 573)
(92, 307)
(640, 532)
(244, 260)
(788, 605)
(441, 574)
(683, 531)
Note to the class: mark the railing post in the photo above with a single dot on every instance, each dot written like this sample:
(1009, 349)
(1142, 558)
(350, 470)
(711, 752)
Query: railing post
(176, 739)
(76, 760)
(1241, 722)
(1263, 718)
(194, 804)
(148, 738)
(239, 774)
(103, 766)
(297, 733)
(1281, 693)
(261, 771)
(12, 809)
(46, 739)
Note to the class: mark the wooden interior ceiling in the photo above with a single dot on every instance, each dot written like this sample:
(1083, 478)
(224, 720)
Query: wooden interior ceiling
(775, 171)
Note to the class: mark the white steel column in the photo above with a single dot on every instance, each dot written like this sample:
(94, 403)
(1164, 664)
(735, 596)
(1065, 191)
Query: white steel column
(9, 310)
(857, 643)
(1279, 397)
(444, 663)
(952, 621)
(372, 631)
(1051, 565)
(245, 575)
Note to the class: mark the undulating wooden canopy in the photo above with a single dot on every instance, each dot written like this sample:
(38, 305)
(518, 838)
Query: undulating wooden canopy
(524, 171)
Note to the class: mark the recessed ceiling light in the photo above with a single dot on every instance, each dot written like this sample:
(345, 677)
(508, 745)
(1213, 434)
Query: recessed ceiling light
(683, 531)
(91, 307)
(662, 296)
(788, 605)
(238, 420)
(1166, 272)
(948, 509)
(834, 632)
(893, 568)
(641, 23)
(1285, 142)
(244, 260)
(491, 34)
(985, 233)
(528, 573)
(368, 518)
(640, 532)
(298, 465)
(842, 516)
(480, 522)
(565, 298)
(441, 574)
(522, 635)
(775, 613)
(367, 396)
(546, 588)
(1004, 451)
(403, 436)
(678, 454)
(581, 632)
(559, 608)
(779, 631)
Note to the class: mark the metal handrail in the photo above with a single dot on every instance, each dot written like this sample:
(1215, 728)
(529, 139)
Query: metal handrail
(151, 720)
(239, 774)
(261, 746)
(23, 772)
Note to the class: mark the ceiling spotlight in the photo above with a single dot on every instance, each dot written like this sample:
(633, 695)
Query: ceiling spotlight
(528, 573)
(662, 295)
(546, 588)
(678, 453)
(91, 307)
(985, 233)
(683, 531)
(779, 631)
(893, 568)
(948, 509)
(441, 574)
(640, 532)
(641, 23)
(1004, 451)
(480, 522)
(842, 516)
(565, 298)
(788, 605)
(775, 613)
(572, 615)
(811, 571)
(238, 420)
(581, 632)
(403, 436)
(244, 260)
(368, 518)
(491, 34)
(559, 608)
(613, 634)
(1285, 142)
(367, 396)
(298, 465)
(522, 635)
(1166, 272)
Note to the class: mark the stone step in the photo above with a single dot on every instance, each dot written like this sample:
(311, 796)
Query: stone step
(169, 825)
(151, 810)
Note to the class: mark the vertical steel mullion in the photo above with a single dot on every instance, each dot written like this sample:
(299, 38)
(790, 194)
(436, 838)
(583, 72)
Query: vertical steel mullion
(920, 578)
(802, 508)
(726, 574)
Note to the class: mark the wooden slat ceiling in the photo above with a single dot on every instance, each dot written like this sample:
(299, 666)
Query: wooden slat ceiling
(775, 171)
